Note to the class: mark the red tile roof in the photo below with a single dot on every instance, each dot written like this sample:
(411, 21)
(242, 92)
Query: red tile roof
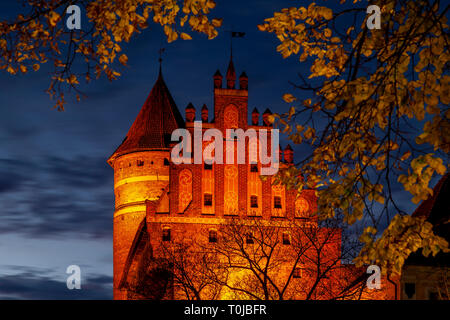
(156, 121)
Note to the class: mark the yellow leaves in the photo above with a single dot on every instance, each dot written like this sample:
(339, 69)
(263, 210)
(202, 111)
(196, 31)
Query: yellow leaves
(327, 13)
(73, 79)
(291, 113)
(405, 156)
(289, 98)
(53, 18)
(217, 22)
(309, 133)
(327, 32)
(123, 59)
(171, 34)
(335, 39)
(23, 69)
(404, 235)
(417, 181)
(185, 36)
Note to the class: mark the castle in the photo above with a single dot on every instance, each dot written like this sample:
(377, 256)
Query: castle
(158, 202)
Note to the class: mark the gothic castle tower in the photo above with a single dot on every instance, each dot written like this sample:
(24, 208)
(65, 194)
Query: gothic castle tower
(141, 170)
(159, 201)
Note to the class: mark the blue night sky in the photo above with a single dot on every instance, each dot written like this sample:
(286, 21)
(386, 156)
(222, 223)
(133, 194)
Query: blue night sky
(56, 189)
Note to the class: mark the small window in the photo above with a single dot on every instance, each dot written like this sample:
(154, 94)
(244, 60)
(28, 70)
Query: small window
(208, 166)
(254, 168)
(253, 202)
(277, 202)
(297, 273)
(207, 198)
(213, 236)
(166, 234)
(410, 289)
(286, 238)
(140, 163)
(249, 238)
(166, 162)
(433, 295)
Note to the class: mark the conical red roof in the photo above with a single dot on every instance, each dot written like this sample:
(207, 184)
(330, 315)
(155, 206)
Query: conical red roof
(154, 125)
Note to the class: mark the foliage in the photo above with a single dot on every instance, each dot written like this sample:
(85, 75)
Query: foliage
(41, 36)
(368, 91)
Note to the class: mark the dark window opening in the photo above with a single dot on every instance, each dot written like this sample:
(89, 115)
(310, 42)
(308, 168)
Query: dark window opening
(254, 168)
(297, 273)
(166, 162)
(410, 289)
(277, 202)
(140, 163)
(433, 296)
(249, 238)
(207, 199)
(212, 236)
(208, 166)
(286, 239)
(166, 234)
(253, 202)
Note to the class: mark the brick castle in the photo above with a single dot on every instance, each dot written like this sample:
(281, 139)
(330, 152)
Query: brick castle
(158, 202)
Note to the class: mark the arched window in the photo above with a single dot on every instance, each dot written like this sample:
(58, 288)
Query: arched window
(212, 235)
(166, 236)
(231, 117)
(278, 200)
(301, 208)
(298, 272)
(208, 184)
(286, 238)
(185, 189)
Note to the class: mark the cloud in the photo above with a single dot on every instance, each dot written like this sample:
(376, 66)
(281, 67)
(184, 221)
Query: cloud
(55, 196)
(33, 283)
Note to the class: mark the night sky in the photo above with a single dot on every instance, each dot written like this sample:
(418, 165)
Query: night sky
(56, 189)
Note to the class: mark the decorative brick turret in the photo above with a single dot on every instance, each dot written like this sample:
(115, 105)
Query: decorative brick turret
(217, 80)
(243, 81)
(255, 117)
(205, 113)
(190, 112)
(141, 173)
(288, 154)
(266, 115)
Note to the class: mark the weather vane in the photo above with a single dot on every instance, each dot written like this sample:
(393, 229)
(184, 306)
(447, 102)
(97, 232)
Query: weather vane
(234, 34)
(161, 51)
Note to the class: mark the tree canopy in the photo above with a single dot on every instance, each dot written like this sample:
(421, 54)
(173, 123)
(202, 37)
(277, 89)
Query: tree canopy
(376, 107)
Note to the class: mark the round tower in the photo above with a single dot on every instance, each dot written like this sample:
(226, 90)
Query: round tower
(141, 173)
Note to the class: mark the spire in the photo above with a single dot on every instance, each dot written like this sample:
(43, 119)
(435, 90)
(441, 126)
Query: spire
(231, 74)
(158, 118)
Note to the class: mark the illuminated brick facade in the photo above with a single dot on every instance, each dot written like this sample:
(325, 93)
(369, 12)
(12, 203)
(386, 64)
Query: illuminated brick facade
(158, 200)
